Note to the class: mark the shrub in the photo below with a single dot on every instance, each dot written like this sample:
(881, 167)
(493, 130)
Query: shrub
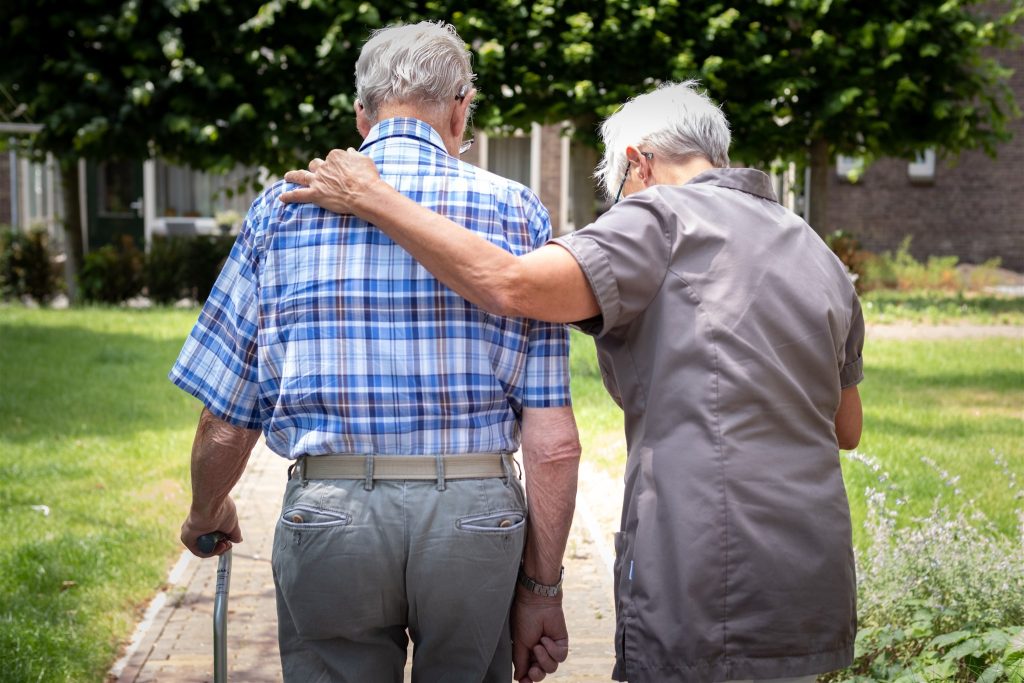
(940, 598)
(900, 270)
(178, 267)
(165, 270)
(848, 249)
(27, 267)
(205, 258)
(112, 274)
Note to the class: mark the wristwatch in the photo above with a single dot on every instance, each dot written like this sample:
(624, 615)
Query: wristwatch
(539, 588)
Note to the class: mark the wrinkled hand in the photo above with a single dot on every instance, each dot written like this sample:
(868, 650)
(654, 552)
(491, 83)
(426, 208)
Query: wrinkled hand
(540, 640)
(337, 184)
(203, 521)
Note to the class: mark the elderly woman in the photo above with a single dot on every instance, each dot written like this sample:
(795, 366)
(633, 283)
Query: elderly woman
(731, 337)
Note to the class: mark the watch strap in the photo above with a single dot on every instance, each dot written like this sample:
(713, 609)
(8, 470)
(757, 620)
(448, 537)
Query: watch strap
(533, 586)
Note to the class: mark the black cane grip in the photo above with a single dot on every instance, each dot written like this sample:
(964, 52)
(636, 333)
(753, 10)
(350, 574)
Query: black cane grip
(207, 542)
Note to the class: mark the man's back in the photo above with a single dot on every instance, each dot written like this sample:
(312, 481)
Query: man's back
(360, 349)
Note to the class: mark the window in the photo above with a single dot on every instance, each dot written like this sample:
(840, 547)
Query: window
(182, 191)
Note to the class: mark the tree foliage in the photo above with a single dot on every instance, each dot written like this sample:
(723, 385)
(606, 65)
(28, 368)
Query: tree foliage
(213, 83)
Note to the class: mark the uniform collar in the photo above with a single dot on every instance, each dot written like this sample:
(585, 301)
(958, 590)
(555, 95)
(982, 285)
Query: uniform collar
(749, 180)
(403, 127)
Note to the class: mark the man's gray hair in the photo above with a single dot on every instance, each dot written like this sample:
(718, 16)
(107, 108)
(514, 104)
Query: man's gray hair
(676, 122)
(426, 64)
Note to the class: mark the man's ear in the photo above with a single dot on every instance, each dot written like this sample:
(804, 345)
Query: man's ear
(460, 114)
(363, 124)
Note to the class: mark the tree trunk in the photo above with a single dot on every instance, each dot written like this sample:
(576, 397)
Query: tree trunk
(72, 225)
(820, 169)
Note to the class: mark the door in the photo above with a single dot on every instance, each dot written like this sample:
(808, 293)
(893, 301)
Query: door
(115, 202)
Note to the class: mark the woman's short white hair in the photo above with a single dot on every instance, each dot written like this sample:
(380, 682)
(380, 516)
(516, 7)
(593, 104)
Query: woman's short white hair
(676, 122)
(425, 64)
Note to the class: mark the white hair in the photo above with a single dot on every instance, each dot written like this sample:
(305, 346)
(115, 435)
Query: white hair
(426, 64)
(675, 122)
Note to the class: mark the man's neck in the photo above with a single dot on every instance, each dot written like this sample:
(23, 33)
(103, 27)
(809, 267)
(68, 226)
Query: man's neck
(398, 109)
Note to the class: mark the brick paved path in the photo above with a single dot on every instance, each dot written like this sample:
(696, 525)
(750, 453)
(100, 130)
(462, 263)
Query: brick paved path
(176, 645)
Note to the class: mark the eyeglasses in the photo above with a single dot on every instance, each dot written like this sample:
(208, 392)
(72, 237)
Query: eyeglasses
(463, 91)
(618, 195)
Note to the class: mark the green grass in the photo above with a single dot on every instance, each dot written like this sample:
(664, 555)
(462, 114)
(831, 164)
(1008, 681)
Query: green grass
(93, 430)
(937, 307)
(959, 403)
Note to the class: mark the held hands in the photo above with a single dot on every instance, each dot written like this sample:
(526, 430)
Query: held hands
(337, 184)
(199, 521)
(540, 640)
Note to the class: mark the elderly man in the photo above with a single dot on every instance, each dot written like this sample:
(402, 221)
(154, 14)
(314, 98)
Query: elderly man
(400, 404)
(731, 337)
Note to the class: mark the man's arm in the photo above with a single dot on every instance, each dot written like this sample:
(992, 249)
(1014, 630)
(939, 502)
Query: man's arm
(849, 418)
(546, 284)
(220, 452)
(551, 456)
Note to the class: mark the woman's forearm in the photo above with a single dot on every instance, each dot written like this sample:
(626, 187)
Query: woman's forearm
(479, 271)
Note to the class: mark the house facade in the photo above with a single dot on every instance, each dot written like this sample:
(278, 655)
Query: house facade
(971, 206)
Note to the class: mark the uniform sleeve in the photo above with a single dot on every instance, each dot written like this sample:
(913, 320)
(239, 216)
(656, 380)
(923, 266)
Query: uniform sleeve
(547, 358)
(624, 256)
(218, 363)
(852, 371)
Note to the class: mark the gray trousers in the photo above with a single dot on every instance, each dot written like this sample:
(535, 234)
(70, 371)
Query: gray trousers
(359, 572)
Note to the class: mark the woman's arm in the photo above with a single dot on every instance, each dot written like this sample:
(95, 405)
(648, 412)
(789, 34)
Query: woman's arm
(546, 284)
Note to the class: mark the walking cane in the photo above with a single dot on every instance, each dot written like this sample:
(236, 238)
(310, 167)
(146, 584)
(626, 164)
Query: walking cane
(206, 544)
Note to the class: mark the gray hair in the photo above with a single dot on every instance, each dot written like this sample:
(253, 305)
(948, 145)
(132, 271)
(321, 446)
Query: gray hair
(675, 122)
(426, 64)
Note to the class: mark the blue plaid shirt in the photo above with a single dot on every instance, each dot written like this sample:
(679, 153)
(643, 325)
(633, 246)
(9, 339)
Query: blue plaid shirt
(329, 337)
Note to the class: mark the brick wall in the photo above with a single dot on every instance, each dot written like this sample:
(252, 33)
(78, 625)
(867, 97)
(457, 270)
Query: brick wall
(974, 209)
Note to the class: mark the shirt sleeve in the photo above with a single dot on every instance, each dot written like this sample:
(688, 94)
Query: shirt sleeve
(852, 371)
(219, 363)
(547, 357)
(624, 255)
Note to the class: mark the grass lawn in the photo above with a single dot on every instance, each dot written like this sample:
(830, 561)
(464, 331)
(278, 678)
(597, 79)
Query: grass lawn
(93, 431)
(936, 307)
(959, 403)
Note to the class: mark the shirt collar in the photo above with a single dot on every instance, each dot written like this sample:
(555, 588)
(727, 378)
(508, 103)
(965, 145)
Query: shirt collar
(749, 180)
(403, 127)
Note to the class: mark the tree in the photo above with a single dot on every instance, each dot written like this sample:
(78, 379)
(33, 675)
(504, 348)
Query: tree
(800, 80)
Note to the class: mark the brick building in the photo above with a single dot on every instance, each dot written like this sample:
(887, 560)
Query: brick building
(971, 207)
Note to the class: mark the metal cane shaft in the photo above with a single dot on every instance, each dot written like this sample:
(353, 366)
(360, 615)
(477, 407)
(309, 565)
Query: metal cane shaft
(220, 619)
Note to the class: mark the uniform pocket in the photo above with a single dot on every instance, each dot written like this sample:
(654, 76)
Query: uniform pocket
(492, 522)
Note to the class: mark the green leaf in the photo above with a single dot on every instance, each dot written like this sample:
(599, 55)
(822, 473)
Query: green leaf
(991, 674)
(948, 639)
(971, 646)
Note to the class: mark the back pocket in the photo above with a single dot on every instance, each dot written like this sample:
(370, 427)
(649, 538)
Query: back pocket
(492, 522)
(306, 518)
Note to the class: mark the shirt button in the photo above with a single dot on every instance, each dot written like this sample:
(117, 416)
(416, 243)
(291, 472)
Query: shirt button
(297, 519)
(505, 523)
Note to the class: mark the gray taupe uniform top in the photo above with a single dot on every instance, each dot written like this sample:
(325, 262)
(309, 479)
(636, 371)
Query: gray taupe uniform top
(727, 330)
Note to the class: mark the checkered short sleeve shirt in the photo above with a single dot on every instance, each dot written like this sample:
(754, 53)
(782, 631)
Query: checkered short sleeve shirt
(330, 338)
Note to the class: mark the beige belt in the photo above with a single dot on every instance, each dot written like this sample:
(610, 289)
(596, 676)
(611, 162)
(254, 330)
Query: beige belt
(416, 467)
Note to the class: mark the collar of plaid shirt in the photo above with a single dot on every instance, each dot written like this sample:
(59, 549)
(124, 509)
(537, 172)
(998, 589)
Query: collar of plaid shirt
(403, 127)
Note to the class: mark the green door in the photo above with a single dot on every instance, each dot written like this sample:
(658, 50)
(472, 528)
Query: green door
(115, 202)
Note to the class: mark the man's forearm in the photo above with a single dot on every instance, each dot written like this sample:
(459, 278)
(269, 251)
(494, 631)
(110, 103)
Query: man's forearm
(551, 455)
(220, 452)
